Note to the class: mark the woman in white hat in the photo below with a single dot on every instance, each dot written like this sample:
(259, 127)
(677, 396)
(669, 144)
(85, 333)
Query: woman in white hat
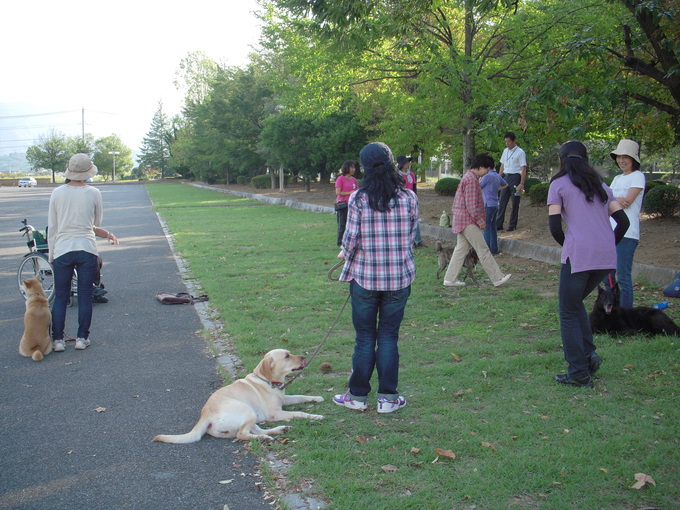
(628, 188)
(75, 210)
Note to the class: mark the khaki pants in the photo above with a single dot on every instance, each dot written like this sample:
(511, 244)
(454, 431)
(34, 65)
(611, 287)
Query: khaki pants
(472, 237)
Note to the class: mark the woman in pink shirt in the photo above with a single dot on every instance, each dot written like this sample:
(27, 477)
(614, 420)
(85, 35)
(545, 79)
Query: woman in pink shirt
(345, 185)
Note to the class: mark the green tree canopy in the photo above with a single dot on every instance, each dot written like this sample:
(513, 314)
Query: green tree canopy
(51, 153)
(105, 160)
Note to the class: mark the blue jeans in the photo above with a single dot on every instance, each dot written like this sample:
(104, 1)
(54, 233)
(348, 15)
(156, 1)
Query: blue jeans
(490, 233)
(87, 266)
(577, 337)
(625, 251)
(376, 316)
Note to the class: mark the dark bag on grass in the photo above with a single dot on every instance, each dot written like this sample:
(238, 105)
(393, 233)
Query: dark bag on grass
(181, 298)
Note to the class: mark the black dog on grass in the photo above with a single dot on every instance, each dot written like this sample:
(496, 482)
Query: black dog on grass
(608, 317)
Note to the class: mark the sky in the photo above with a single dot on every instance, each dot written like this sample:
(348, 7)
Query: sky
(107, 63)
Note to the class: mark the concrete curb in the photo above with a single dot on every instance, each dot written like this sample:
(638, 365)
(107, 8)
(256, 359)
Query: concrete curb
(660, 276)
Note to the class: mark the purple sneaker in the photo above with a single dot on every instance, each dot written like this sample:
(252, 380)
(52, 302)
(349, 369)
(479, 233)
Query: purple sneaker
(346, 400)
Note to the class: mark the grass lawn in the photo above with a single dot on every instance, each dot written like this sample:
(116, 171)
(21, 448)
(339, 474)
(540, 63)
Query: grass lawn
(476, 369)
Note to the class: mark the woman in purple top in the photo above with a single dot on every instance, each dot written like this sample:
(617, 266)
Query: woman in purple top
(345, 185)
(379, 266)
(578, 196)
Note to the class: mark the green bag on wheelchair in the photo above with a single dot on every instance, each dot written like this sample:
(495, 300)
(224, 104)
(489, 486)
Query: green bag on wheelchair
(40, 242)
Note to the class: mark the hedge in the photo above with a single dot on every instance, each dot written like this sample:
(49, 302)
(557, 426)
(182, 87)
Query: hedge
(264, 181)
(662, 201)
(447, 186)
(530, 182)
(538, 194)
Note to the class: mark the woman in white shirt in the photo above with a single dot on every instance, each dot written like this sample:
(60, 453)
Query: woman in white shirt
(74, 212)
(628, 188)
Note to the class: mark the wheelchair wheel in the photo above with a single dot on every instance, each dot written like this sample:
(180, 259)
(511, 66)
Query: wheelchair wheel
(73, 300)
(36, 265)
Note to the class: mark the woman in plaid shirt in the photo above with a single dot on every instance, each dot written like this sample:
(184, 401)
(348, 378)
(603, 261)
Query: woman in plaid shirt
(379, 266)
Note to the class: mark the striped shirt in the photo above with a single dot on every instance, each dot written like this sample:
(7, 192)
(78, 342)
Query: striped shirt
(468, 204)
(378, 245)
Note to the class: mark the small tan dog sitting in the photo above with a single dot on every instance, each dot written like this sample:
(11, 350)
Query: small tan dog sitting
(36, 341)
(236, 409)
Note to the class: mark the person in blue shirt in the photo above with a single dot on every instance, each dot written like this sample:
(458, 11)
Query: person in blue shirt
(491, 183)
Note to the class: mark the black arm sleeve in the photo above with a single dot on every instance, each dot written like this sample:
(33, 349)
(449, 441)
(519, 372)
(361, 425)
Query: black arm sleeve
(555, 223)
(622, 224)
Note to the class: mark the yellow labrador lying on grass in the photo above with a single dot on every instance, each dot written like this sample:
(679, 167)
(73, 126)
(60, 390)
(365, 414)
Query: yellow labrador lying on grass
(236, 409)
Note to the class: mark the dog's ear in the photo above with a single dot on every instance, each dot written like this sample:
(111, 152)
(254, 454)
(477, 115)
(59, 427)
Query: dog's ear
(264, 368)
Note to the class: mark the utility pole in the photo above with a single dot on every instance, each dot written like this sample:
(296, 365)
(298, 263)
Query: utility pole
(82, 124)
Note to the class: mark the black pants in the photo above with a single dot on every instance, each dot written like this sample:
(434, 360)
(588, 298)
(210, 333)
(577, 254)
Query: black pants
(342, 221)
(513, 181)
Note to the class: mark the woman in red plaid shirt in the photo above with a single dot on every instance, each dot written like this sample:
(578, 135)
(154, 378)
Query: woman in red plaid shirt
(469, 222)
(379, 266)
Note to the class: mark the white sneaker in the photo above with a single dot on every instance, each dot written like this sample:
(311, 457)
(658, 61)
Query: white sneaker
(502, 280)
(82, 343)
(389, 406)
(346, 400)
(457, 283)
(58, 346)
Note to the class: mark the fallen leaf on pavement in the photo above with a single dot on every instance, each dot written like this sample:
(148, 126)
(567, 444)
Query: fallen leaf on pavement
(99, 409)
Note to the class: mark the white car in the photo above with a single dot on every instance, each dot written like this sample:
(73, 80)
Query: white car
(27, 182)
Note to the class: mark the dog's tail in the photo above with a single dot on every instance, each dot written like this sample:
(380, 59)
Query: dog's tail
(37, 355)
(196, 434)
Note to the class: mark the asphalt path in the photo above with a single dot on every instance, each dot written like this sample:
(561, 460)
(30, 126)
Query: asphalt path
(148, 371)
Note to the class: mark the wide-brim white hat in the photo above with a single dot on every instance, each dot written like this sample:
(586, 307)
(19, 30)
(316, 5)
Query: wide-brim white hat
(628, 148)
(80, 168)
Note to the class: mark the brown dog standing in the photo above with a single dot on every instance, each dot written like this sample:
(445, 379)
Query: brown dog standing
(36, 340)
(444, 253)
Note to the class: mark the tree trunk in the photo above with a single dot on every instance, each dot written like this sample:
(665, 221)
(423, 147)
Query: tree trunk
(469, 146)
(466, 90)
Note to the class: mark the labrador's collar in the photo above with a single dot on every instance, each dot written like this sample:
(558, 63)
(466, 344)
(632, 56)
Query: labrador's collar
(274, 384)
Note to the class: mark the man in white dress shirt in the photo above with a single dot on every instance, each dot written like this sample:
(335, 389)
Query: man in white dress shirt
(514, 171)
